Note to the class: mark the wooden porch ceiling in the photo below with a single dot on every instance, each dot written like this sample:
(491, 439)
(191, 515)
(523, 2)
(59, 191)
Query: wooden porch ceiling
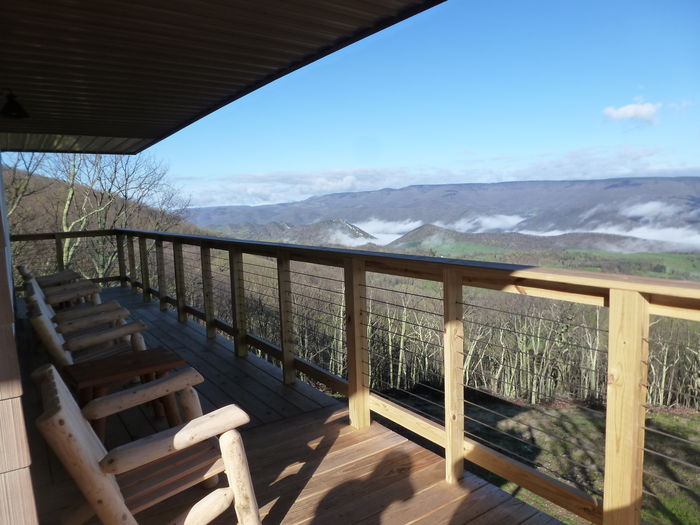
(116, 77)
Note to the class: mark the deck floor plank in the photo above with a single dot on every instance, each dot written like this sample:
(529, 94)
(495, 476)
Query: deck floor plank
(258, 374)
(244, 390)
(308, 465)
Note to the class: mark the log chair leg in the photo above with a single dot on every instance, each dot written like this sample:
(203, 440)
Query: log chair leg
(100, 425)
(169, 403)
(239, 480)
(192, 409)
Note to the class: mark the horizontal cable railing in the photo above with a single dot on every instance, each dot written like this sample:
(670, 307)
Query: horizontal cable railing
(580, 387)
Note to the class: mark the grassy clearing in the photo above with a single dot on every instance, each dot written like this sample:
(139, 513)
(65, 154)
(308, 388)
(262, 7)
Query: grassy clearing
(665, 265)
(568, 442)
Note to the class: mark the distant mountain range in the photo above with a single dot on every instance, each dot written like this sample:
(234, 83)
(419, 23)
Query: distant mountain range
(428, 236)
(334, 231)
(656, 209)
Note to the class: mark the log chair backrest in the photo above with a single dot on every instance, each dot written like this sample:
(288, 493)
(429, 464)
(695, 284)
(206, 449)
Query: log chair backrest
(35, 296)
(51, 340)
(78, 448)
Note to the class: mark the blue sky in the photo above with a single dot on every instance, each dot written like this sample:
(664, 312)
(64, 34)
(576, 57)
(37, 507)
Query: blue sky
(469, 91)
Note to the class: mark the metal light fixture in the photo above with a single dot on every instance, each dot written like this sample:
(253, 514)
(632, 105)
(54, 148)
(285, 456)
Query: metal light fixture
(12, 108)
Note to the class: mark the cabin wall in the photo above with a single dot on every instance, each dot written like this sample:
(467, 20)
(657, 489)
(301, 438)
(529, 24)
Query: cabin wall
(17, 501)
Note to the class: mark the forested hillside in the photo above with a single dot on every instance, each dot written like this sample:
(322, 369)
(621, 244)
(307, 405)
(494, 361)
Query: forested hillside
(69, 193)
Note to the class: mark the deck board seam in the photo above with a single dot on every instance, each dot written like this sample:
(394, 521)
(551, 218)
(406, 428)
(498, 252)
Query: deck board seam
(243, 376)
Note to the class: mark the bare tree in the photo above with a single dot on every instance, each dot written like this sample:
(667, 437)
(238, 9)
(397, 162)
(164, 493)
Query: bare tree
(90, 191)
(113, 191)
(19, 178)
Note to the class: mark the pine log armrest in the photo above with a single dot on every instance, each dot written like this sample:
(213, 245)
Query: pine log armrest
(157, 446)
(89, 321)
(104, 336)
(60, 288)
(87, 290)
(96, 377)
(124, 399)
(51, 279)
(62, 277)
(82, 311)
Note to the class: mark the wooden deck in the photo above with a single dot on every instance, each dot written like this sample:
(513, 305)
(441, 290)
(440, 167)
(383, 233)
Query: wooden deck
(308, 465)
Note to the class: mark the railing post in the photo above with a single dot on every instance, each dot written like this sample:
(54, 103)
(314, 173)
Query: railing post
(121, 259)
(145, 276)
(132, 261)
(59, 253)
(628, 355)
(356, 333)
(160, 268)
(284, 284)
(179, 264)
(238, 311)
(207, 290)
(454, 376)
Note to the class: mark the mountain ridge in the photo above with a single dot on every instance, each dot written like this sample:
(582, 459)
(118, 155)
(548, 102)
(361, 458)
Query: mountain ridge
(656, 208)
(498, 193)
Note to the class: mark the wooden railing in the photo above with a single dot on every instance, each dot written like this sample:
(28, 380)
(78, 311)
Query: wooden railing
(630, 301)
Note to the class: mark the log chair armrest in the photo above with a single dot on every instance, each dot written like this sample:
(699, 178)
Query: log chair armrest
(60, 288)
(157, 446)
(83, 311)
(102, 336)
(88, 290)
(88, 321)
(124, 399)
(58, 278)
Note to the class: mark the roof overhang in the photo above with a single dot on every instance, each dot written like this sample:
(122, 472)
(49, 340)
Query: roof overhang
(117, 77)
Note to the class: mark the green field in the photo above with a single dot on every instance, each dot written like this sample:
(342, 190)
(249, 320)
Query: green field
(665, 265)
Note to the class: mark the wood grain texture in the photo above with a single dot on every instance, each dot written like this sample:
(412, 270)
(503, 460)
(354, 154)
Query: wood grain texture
(356, 333)
(17, 501)
(132, 260)
(453, 367)
(284, 283)
(207, 290)
(238, 311)
(14, 454)
(160, 271)
(179, 265)
(121, 259)
(10, 383)
(628, 355)
(145, 270)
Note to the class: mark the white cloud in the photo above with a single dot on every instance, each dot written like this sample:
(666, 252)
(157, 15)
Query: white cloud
(650, 210)
(683, 236)
(677, 235)
(581, 164)
(387, 231)
(646, 111)
(344, 239)
(590, 213)
(484, 223)
(549, 233)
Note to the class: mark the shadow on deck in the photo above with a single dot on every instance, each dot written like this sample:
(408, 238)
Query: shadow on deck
(308, 465)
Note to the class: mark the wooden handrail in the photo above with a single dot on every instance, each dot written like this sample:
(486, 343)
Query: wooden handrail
(475, 273)
(631, 301)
